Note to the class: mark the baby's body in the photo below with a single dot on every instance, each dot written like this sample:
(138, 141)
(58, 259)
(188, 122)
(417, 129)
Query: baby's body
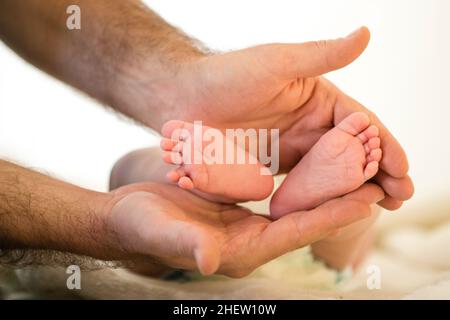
(340, 162)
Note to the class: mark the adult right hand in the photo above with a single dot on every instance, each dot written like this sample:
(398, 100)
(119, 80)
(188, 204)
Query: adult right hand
(169, 227)
(277, 86)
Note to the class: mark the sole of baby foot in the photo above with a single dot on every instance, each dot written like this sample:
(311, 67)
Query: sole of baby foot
(199, 172)
(341, 161)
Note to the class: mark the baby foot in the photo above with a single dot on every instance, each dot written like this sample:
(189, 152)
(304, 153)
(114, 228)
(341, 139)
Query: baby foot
(197, 171)
(340, 162)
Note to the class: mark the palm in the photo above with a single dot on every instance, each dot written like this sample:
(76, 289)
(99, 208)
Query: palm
(184, 226)
(180, 230)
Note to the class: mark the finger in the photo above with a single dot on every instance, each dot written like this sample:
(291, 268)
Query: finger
(401, 189)
(369, 193)
(312, 59)
(394, 167)
(365, 194)
(207, 256)
(390, 204)
(299, 229)
(194, 243)
(394, 161)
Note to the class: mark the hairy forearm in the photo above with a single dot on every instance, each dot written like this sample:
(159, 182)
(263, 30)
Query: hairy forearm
(38, 212)
(121, 43)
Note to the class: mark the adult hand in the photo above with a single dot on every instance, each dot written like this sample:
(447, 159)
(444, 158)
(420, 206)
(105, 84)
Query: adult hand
(279, 86)
(172, 227)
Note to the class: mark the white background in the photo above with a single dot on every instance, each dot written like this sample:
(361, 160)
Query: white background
(403, 77)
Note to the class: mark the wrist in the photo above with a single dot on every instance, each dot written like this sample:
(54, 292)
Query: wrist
(38, 212)
(100, 241)
(147, 91)
(82, 228)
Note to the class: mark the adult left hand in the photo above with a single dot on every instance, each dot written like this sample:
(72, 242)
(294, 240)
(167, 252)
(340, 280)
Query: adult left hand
(166, 226)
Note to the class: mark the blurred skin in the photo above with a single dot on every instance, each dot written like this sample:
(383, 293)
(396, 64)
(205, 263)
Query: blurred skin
(150, 71)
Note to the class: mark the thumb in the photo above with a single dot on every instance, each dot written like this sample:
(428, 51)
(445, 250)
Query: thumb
(315, 58)
(199, 245)
(207, 255)
(299, 229)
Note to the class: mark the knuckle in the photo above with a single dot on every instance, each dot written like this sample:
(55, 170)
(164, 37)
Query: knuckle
(321, 44)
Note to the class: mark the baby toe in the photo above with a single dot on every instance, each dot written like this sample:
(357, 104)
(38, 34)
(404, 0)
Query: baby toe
(355, 123)
(372, 144)
(173, 176)
(176, 174)
(369, 133)
(371, 170)
(375, 155)
(177, 130)
(186, 183)
(168, 144)
(172, 157)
